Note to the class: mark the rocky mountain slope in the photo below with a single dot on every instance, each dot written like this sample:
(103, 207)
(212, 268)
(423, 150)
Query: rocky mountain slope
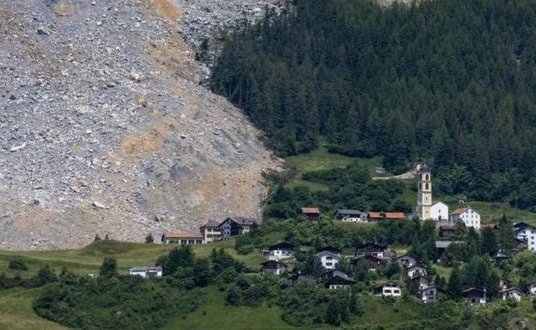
(106, 129)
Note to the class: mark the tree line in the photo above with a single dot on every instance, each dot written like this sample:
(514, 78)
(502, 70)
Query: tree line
(451, 82)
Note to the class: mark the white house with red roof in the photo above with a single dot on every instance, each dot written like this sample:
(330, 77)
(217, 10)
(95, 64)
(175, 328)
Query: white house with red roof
(470, 217)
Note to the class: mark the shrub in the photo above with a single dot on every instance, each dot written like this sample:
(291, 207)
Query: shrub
(17, 264)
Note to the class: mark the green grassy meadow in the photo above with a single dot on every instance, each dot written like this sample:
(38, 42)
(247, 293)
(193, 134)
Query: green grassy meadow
(215, 314)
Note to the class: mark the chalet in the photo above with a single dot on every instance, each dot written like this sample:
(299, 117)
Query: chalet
(279, 251)
(468, 216)
(328, 258)
(377, 216)
(388, 289)
(439, 211)
(273, 267)
(146, 272)
(182, 238)
(372, 249)
(236, 226)
(311, 213)
(406, 261)
(474, 296)
(211, 231)
(446, 229)
(522, 230)
(511, 293)
(335, 279)
(351, 216)
(428, 294)
(416, 271)
(373, 263)
(421, 282)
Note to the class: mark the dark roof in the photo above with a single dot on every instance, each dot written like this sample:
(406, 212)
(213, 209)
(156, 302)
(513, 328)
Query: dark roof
(281, 246)
(329, 249)
(350, 212)
(337, 277)
(406, 256)
(211, 224)
(473, 291)
(371, 247)
(272, 264)
(241, 221)
(520, 225)
(146, 269)
(424, 168)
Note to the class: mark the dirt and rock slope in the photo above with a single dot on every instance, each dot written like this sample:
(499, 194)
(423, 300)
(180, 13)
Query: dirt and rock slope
(106, 129)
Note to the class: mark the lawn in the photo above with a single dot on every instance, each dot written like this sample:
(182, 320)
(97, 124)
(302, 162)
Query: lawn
(89, 258)
(321, 159)
(16, 310)
(214, 314)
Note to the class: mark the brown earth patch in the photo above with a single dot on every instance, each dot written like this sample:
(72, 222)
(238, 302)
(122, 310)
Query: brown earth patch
(63, 9)
(146, 143)
(167, 9)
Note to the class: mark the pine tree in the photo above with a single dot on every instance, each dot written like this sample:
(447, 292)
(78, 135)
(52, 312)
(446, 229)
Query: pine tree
(454, 287)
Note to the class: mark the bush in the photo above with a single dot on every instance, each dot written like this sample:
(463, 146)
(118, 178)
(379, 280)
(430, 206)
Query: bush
(17, 264)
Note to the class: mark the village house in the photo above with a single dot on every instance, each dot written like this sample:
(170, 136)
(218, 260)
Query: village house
(388, 289)
(311, 213)
(211, 231)
(474, 296)
(279, 251)
(328, 257)
(511, 293)
(377, 216)
(468, 216)
(420, 281)
(372, 249)
(182, 238)
(273, 267)
(237, 226)
(523, 230)
(373, 263)
(146, 272)
(441, 247)
(416, 271)
(428, 294)
(446, 229)
(406, 261)
(335, 279)
(351, 216)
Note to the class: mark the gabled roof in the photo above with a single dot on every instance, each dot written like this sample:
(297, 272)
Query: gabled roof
(350, 212)
(281, 246)
(488, 226)
(459, 211)
(406, 256)
(272, 264)
(310, 210)
(146, 269)
(337, 277)
(387, 215)
(510, 290)
(242, 220)
(473, 291)
(416, 267)
(211, 224)
(445, 244)
(330, 249)
(182, 234)
(424, 168)
(390, 284)
(371, 247)
(439, 202)
(519, 225)
(327, 252)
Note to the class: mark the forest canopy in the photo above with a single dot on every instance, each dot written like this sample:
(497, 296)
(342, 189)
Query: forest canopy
(450, 82)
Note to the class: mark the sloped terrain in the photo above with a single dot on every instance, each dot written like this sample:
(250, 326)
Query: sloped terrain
(106, 129)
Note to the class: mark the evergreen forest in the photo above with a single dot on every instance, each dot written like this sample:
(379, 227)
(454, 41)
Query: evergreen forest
(449, 82)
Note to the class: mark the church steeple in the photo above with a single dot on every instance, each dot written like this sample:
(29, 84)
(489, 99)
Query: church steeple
(424, 192)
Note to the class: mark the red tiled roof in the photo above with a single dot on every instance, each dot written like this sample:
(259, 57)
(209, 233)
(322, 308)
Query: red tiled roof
(310, 210)
(182, 234)
(387, 215)
(459, 211)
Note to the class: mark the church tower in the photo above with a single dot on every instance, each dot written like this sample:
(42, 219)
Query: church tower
(424, 192)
